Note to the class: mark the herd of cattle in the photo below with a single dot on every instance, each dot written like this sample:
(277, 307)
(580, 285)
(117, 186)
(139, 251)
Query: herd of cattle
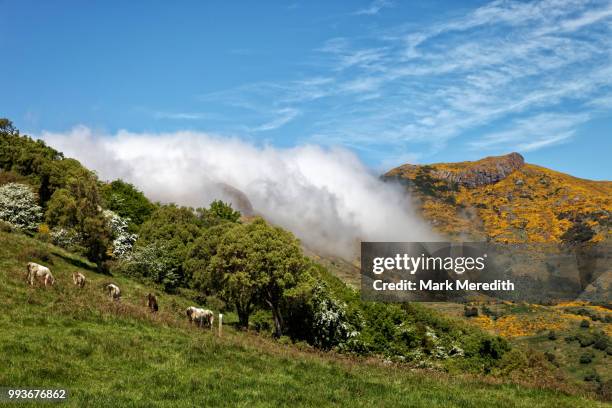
(195, 315)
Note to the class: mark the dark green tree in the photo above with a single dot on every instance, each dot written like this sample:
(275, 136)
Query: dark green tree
(175, 229)
(198, 259)
(256, 264)
(127, 201)
(78, 207)
(224, 211)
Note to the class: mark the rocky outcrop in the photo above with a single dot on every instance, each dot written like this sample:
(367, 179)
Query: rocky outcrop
(237, 198)
(482, 172)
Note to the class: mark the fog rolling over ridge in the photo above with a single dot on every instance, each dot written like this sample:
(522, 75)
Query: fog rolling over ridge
(326, 197)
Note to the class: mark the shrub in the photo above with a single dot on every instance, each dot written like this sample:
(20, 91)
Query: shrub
(577, 233)
(470, 311)
(586, 358)
(330, 324)
(44, 233)
(585, 324)
(552, 335)
(152, 262)
(592, 376)
(550, 357)
(261, 321)
(18, 207)
(601, 341)
(123, 240)
(284, 340)
(66, 238)
(585, 339)
(494, 348)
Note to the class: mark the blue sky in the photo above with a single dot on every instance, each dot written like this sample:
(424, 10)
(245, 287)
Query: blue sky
(393, 81)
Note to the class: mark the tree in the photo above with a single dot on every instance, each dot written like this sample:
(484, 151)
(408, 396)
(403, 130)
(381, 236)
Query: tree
(127, 201)
(43, 166)
(200, 254)
(62, 209)
(18, 206)
(174, 229)
(78, 207)
(6, 126)
(256, 265)
(218, 213)
(224, 211)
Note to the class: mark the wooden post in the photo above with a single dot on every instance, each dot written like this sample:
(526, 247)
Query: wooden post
(220, 324)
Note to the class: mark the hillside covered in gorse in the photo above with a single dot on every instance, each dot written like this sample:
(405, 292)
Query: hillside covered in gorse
(506, 200)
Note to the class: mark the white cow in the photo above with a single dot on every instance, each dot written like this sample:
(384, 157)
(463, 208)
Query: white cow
(113, 291)
(36, 271)
(200, 316)
(79, 279)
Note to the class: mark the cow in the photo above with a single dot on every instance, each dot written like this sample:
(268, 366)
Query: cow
(113, 291)
(79, 279)
(152, 303)
(200, 316)
(36, 271)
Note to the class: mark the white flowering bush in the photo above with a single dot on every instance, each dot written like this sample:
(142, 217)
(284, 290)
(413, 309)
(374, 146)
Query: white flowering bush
(123, 240)
(65, 238)
(152, 262)
(331, 326)
(441, 348)
(18, 207)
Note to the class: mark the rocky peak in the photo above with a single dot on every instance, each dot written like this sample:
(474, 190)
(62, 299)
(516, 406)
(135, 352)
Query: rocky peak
(489, 170)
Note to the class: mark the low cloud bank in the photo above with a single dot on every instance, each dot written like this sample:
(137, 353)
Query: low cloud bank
(326, 197)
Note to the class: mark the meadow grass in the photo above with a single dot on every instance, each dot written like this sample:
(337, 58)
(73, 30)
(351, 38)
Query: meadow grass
(117, 354)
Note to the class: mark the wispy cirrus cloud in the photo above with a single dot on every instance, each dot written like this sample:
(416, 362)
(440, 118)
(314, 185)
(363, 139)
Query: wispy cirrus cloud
(507, 63)
(374, 7)
(180, 115)
(534, 132)
(283, 116)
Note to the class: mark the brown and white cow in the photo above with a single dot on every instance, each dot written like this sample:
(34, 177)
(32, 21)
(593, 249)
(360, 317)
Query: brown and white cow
(39, 272)
(200, 316)
(79, 279)
(113, 291)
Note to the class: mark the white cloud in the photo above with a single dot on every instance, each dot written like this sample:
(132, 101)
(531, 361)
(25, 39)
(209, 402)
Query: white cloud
(374, 7)
(327, 197)
(284, 116)
(533, 132)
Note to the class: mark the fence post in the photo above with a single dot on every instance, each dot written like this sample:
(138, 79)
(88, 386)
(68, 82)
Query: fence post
(220, 324)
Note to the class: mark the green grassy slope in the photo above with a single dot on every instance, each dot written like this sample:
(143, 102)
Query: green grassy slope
(117, 354)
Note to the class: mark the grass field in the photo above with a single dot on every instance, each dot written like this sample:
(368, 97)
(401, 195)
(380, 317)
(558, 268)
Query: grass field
(117, 354)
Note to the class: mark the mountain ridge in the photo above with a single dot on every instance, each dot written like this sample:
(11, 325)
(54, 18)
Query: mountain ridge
(504, 199)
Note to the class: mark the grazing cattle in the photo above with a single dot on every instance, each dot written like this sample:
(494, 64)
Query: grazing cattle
(113, 291)
(200, 316)
(79, 279)
(152, 302)
(36, 271)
